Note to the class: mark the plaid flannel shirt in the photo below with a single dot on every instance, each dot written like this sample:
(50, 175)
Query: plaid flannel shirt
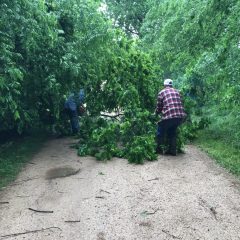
(169, 104)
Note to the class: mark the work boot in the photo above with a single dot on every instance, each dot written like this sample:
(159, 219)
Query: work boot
(172, 150)
(172, 153)
(159, 150)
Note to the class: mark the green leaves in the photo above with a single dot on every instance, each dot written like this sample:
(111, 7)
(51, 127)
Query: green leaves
(133, 138)
(48, 48)
(128, 14)
(141, 148)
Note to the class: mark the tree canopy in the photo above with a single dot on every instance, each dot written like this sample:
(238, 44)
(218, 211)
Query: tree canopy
(128, 15)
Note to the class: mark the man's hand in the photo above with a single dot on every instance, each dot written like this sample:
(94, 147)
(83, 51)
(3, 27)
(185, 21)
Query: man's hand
(81, 110)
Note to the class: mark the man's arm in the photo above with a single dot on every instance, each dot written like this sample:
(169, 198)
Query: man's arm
(159, 104)
(81, 96)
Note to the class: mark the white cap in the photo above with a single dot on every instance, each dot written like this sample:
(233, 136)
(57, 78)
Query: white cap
(168, 82)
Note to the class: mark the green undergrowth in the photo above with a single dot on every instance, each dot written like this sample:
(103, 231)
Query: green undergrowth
(221, 149)
(15, 154)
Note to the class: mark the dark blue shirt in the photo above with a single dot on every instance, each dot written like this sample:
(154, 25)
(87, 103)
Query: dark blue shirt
(74, 101)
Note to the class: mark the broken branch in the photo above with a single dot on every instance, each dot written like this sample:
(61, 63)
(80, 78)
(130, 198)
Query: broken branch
(27, 232)
(101, 190)
(72, 221)
(40, 211)
(99, 197)
(153, 179)
(112, 116)
(25, 180)
(169, 234)
(151, 213)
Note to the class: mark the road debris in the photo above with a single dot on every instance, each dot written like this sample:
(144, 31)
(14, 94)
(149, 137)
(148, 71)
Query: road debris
(28, 232)
(40, 211)
(171, 235)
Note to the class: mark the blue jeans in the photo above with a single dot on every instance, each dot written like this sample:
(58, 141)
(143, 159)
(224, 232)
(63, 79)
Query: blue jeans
(73, 115)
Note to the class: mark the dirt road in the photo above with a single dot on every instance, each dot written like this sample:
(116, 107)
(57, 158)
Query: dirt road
(184, 197)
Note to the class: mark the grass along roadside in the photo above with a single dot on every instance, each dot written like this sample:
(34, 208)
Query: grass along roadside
(224, 153)
(15, 154)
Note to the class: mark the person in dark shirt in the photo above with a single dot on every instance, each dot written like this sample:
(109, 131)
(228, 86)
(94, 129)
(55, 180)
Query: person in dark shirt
(169, 105)
(72, 105)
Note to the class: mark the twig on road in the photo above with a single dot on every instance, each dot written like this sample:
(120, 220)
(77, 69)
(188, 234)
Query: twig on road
(40, 211)
(154, 179)
(72, 221)
(4, 202)
(149, 213)
(101, 190)
(99, 197)
(62, 192)
(171, 235)
(24, 180)
(205, 205)
(19, 196)
(27, 232)
(214, 212)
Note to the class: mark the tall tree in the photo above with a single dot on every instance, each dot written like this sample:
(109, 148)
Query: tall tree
(128, 14)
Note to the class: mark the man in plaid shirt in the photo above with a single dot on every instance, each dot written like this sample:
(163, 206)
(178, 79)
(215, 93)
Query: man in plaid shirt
(170, 106)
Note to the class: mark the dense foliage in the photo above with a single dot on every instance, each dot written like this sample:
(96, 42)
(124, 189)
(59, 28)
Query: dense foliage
(129, 15)
(197, 42)
(47, 50)
(120, 54)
